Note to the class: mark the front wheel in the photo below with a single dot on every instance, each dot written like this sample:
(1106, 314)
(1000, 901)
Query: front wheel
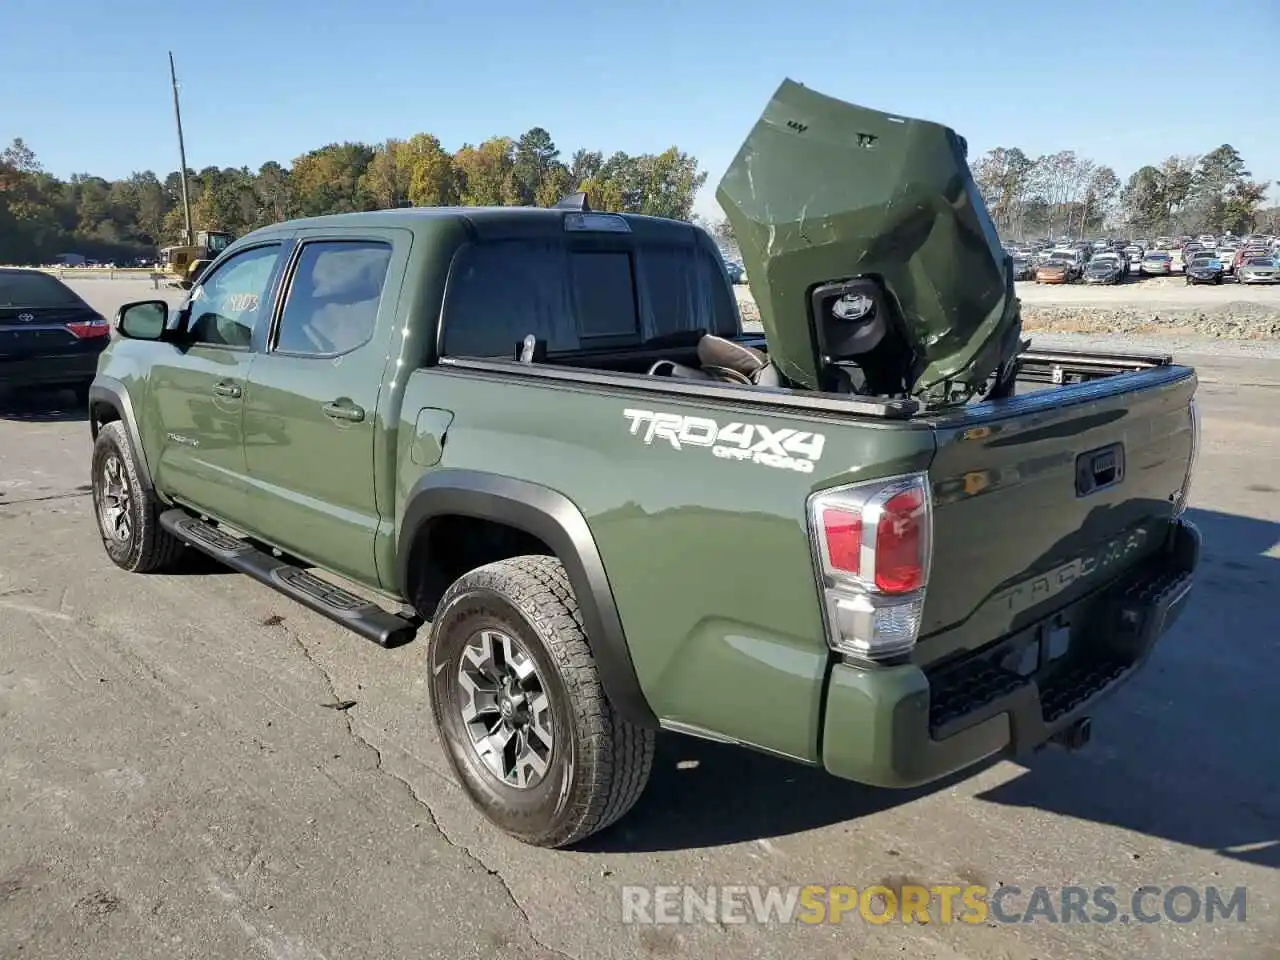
(128, 513)
(521, 711)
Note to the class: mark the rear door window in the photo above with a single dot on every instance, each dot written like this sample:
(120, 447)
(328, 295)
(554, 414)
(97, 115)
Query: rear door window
(332, 304)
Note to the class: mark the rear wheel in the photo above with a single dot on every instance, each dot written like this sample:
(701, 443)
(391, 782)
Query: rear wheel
(521, 711)
(128, 513)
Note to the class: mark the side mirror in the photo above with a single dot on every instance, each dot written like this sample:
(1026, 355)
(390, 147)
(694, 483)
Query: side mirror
(144, 320)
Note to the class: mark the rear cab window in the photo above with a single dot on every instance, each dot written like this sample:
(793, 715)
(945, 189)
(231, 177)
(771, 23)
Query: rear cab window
(581, 296)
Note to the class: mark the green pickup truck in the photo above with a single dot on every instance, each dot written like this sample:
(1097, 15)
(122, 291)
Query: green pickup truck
(886, 538)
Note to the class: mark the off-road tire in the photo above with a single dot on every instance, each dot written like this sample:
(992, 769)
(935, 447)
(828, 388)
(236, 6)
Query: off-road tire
(148, 548)
(599, 763)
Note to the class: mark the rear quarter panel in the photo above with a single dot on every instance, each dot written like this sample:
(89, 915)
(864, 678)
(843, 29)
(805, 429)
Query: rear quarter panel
(708, 558)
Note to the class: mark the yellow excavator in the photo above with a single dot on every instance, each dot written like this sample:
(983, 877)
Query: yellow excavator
(182, 265)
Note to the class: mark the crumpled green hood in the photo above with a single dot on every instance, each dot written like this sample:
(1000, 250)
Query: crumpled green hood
(823, 190)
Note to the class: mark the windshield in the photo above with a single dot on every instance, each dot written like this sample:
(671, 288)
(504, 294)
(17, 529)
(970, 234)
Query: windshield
(30, 288)
(1261, 262)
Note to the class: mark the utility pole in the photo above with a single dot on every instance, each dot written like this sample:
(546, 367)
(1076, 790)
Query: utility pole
(182, 152)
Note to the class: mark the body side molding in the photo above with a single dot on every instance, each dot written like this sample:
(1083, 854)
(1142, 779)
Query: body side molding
(553, 518)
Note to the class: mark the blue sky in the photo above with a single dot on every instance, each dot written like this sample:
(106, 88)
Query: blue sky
(86, 83)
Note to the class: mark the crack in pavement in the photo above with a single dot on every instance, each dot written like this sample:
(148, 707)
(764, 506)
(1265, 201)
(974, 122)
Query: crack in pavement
(73, 495)
(413, 795)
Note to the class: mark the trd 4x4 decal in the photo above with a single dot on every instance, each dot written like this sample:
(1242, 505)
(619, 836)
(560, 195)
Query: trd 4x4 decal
(784, 448)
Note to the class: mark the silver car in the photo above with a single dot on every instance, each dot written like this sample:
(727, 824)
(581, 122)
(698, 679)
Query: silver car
(1157, 264)
(1260, 270)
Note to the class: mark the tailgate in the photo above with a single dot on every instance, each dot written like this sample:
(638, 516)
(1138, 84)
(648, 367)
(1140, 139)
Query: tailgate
(1042, 498)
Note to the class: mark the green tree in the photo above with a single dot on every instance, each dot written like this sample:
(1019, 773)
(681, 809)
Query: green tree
(1178, 179)
(41, 215)
(1143, 199)
(535, 160)
(1100, 192)
(327, 180)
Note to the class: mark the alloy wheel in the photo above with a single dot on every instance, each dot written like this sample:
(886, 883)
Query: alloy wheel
(114, 497)
(505, 708)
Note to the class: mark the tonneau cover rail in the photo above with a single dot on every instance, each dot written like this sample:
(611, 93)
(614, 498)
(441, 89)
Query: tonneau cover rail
(1073, 366)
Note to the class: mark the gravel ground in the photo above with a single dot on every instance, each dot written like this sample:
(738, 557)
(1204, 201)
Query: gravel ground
(1164, 308)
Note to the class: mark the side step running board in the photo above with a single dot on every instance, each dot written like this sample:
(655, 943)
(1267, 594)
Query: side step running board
(355, 613)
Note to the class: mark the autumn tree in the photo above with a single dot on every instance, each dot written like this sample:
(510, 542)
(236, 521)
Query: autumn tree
(327, 180)
(487, 174)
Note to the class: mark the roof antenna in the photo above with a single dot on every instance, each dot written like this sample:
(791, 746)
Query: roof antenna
(574, 201)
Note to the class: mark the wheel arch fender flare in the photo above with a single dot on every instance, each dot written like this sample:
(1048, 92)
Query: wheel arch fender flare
(112, 393)
(555, 520)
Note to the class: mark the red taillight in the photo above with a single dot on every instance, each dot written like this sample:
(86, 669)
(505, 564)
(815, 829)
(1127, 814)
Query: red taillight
(901, 543)
(842, 533)
(87, 329)
(872, 544)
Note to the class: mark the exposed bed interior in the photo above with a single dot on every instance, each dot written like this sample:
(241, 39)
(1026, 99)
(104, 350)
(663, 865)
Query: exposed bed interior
(654, 301)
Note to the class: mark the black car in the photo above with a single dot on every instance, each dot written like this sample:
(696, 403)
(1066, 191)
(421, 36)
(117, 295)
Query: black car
(49, 337)
(1024, 268)
(1205, 268)
(1104, 270)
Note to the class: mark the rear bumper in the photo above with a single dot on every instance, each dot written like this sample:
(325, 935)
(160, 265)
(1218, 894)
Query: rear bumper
(904, 726)
(50, 371)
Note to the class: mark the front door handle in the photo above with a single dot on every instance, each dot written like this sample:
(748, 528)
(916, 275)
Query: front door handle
(343, 411)
(225, 388)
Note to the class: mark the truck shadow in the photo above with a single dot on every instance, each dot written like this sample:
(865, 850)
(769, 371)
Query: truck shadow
(705, 794)
(1186, 752)
(42, 406)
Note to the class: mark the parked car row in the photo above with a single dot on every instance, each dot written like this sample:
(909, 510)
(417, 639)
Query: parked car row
(1203, 259)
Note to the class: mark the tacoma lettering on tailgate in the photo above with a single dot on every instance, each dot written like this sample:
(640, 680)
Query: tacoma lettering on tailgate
(1022, 596)
(784, 448)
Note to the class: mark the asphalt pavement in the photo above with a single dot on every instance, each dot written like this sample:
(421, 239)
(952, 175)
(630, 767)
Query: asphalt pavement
(176, 779)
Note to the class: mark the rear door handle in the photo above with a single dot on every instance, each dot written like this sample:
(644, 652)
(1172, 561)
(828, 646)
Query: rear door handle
(343, 411)
(226, 389)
